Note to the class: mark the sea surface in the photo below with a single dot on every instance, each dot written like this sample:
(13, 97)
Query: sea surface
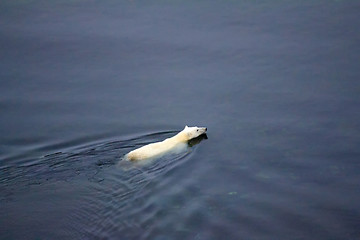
(277, 84)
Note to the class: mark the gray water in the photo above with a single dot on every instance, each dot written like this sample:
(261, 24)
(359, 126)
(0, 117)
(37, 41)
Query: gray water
(275, 82)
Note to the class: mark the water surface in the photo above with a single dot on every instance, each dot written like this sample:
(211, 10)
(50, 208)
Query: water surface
(84, 82)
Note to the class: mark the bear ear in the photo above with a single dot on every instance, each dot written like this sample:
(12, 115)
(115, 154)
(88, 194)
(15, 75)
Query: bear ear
(186, 126)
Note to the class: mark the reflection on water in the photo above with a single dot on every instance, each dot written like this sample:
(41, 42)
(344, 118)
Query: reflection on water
(82, 83)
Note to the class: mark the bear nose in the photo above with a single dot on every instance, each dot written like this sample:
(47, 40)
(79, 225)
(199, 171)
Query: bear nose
(205, 129)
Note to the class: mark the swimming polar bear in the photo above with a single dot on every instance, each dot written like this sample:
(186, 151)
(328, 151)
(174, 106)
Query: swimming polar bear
(159, 148)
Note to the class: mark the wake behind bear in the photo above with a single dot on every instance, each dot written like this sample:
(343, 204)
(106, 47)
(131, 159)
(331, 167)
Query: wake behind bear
(157, 149)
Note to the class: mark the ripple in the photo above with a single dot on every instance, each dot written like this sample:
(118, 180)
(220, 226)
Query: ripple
(115, 200)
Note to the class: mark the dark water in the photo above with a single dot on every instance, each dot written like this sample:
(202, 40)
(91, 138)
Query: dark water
(84, 82)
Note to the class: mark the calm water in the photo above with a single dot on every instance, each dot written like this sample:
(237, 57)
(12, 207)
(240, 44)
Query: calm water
(275, 82)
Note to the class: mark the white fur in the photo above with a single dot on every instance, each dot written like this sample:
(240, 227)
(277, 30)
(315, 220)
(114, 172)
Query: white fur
(159, 148)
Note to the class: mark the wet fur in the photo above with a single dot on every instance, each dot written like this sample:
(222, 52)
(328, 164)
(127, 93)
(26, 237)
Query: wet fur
(159, 148)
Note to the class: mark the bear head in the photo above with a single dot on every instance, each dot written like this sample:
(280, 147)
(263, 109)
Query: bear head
(193, 132)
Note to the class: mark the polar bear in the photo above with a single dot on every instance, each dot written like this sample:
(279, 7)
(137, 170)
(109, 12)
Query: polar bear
(159, 148)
